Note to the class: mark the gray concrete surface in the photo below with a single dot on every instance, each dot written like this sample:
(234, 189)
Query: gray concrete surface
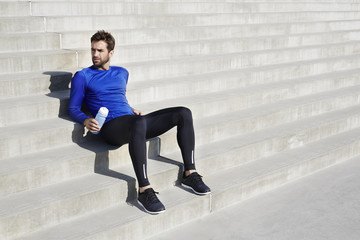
(325, 205)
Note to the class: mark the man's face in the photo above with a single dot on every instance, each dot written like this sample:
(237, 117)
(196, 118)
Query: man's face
(100, 55)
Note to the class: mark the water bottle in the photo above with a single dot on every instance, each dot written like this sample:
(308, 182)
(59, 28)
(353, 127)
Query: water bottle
(101, 116)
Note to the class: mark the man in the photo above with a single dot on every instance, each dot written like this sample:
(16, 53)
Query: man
(102, 85)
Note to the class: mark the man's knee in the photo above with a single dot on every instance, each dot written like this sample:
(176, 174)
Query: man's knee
(139, 126)
(185, 113)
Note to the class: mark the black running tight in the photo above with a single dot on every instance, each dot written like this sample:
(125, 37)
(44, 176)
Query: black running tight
(135, 130)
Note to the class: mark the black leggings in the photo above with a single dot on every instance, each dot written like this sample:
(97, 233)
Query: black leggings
(135, 130)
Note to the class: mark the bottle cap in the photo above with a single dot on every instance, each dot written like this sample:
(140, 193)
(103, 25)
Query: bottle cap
(104, 111)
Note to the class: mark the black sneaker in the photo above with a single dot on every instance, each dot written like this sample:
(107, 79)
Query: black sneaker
(195, 183)
(149, 201)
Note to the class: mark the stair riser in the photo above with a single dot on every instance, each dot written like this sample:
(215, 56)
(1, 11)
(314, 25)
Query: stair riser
(282, 176)
(173, 217)
(30, 63)
(22, 25)
(33, 112)
(75, 166)
(58, 211)
(31, 85)
(83, 23)
(39, 141)
(16, 43)
(77, 8)
(14, 9)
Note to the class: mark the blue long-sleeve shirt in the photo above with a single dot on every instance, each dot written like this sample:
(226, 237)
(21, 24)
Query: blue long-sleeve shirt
(99, 88)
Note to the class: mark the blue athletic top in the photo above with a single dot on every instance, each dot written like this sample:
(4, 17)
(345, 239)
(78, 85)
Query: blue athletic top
(99, 88)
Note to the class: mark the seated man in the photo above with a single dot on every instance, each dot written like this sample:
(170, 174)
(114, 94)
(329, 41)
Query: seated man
(102, 85)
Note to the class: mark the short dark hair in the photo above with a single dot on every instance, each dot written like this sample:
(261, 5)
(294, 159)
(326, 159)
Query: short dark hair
(106, 37)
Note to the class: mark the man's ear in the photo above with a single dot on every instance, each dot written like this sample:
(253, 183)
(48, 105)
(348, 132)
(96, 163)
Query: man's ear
(111, 53)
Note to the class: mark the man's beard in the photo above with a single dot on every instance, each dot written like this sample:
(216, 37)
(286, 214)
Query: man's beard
(100, 63)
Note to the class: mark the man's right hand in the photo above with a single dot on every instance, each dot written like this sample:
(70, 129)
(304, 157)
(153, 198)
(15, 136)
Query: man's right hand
(92, 125)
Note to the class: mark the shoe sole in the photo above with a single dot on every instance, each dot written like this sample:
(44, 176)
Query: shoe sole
(154, 213)
(198, 193)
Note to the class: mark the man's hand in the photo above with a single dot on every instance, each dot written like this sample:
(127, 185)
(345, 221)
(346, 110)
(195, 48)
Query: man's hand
(92, 125)
(137, 112)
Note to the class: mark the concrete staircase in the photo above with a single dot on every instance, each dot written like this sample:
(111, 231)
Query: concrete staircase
(274, 88)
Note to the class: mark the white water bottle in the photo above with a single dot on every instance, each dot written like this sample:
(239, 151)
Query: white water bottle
(101, 117)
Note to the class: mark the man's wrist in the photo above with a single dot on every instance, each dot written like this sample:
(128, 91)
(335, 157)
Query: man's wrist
(84, 123)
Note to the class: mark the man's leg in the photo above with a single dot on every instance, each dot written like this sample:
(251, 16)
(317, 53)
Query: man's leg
(130, 129)
(163, 120)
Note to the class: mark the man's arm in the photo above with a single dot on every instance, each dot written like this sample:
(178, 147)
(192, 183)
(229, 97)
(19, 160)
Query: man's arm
(77, 95)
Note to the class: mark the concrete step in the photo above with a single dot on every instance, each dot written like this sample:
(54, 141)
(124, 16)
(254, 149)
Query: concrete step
(170, 50)
(22, 24)
(77, 40)
(34, 136)
(159, 34)
(227, 126)
(34, 108)
(51, 205)
(127, 22)
(37, 61)
(185, 66)
(199, 104)
(64, 163)
(216, 143)
(42, 107)
(228, 187)
(12, 8)
(38, 136)
(110, 8)
(308, 207)
(267, 141)
(24, 84)
(167, 89)
(63, 59)
(305, 160)
(63, 192)
(29, 42)
(34, 83)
